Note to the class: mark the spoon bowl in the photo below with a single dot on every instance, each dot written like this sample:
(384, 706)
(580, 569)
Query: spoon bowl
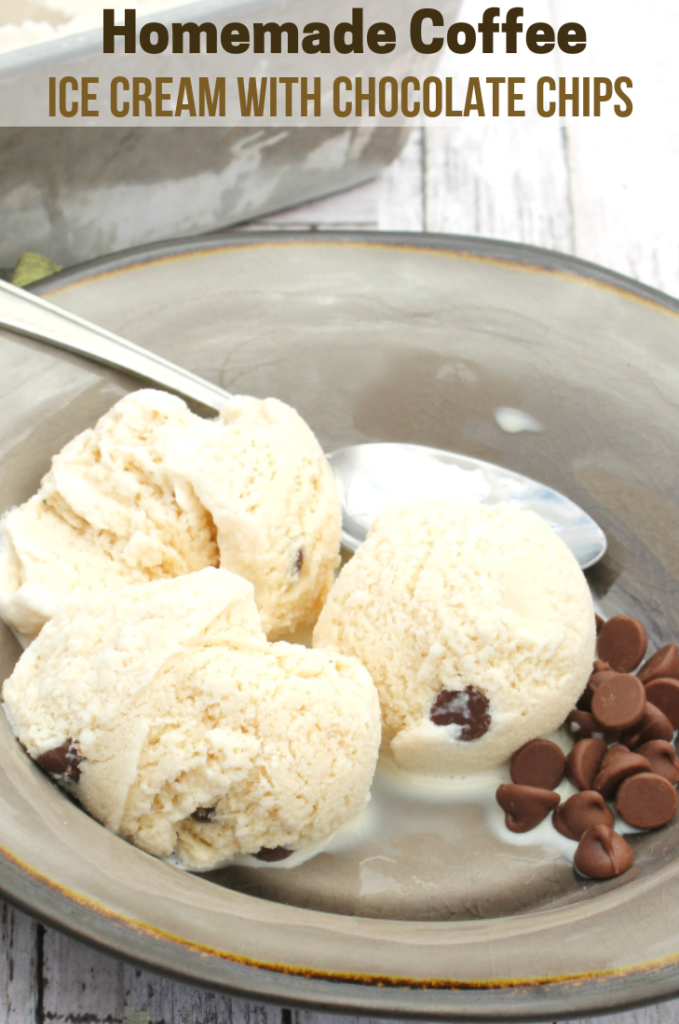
(369, 476)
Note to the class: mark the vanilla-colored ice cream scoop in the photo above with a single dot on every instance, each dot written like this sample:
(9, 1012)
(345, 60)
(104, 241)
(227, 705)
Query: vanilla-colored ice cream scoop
(153, 491)
(476, 625)
(164, 710)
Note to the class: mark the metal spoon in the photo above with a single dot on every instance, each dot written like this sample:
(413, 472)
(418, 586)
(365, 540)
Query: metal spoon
(369, 476)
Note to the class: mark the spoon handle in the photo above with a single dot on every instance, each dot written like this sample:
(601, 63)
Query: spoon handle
(24, 313)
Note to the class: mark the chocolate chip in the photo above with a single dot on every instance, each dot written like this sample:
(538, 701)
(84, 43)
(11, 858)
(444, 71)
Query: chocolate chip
(204, 814)
(653, 726)
(539, 763)
(664, 664)
(646, 801)
(525, 806)
(299, 561)
(273, 855)
(662, 758)
(622, 643)
(602, 853)
(597, 677)
(664, 693)
(62, 760)
(615, 768)
(601, 666)
(619, 702)
(581, 725)
(599, 623)
(584, 761)
(580, 812)
(617, 748)
(468, 708)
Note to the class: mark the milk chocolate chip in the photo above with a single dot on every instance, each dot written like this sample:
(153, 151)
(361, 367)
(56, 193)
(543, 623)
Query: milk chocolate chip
(580, 812)
(646, 801)
(619, 702)
(622, 643)
(599, 676)
(581, 725)
(664, 693)
(615, 768)
(204, 814)
(539, 763)
(653, 726)
(602, 853)
(62, 760)
(525, 806)
(664, 664)
(662, 758)
(599, 623)
(274, 854)
(468, 708)
(584, 761)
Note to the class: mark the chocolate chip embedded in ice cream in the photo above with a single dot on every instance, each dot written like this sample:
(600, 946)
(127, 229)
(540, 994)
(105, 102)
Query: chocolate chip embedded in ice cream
(469, 709)
(278, 853)
(63, 760)
(460, 597)
(204, 814)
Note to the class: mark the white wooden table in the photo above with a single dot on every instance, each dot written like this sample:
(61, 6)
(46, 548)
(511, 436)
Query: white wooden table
(606, 192)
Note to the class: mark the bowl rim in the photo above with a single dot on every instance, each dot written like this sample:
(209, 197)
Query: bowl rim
(142, 945)
(515, 254)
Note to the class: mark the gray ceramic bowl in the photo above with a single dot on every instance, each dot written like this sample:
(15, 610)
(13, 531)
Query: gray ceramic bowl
(408, 338)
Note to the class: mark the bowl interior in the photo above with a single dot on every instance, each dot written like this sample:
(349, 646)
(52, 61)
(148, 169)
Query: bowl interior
(426, 343)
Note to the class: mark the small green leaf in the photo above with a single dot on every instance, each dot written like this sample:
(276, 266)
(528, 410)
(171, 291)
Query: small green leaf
(31, 267)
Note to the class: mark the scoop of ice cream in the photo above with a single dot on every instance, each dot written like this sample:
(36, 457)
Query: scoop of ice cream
(476, 625)
(272, 497)
(153, 491)
(165, 711)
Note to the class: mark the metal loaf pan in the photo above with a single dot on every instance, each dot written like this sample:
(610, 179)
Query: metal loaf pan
(75, 193)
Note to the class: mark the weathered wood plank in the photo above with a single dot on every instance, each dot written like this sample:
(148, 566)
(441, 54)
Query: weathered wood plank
(392, 202)
(81, 984)
(19, 990)
(401, 195)
(500, 177)
(624, 172)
